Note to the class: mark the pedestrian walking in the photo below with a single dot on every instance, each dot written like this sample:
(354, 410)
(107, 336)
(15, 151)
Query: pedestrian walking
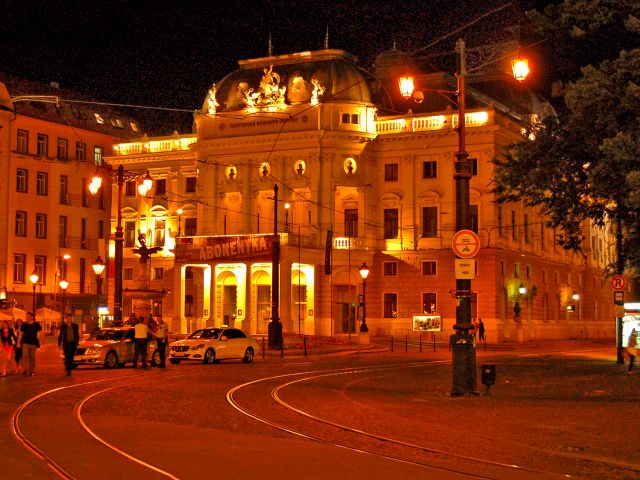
(480, 329)
(29, 340)
(141, 338)
(631, 348)
(162, 334)
(17, 350)
(68, 340)
(8, 338)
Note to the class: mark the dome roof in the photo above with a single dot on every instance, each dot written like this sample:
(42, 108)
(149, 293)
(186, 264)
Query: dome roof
(293, 78)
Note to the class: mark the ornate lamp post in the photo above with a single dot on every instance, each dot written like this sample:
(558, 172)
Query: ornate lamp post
(179, 220)
(64, 285)
(463, 353)
(33, 278)
(364, 273)
(121, 176)
(287, 206)
(98, 268)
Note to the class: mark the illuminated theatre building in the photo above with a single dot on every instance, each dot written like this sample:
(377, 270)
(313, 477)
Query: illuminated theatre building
(375, 185)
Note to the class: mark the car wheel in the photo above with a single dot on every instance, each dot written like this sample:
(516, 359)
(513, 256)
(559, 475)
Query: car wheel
(248, 355)
(209, 356)
(174, 361)
(155, 358)
(111, 359)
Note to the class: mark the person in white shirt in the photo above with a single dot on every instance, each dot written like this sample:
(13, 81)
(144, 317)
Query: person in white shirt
(141, 339)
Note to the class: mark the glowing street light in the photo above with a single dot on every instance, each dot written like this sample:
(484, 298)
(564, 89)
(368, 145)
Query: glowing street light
(364, 273)
(33, 278)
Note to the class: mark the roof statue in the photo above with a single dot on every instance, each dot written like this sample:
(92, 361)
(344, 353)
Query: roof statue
(269, 92)
(212, 103)
(318, 90)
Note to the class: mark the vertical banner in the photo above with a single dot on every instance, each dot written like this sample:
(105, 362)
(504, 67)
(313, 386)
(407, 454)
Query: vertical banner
(327, 253)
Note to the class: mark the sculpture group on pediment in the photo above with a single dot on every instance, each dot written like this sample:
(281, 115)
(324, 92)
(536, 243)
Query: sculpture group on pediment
(269, 92)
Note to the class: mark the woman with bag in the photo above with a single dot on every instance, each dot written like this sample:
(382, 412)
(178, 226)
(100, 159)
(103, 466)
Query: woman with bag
(8, 340)
(631, 348)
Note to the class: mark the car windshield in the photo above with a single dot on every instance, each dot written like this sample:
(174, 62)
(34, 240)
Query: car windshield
(107, 335)
(205, 333)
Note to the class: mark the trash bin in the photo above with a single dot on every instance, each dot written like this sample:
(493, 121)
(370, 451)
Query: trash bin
(488, 375)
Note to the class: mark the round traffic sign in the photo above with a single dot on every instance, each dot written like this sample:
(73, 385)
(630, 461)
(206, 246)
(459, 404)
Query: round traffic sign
(618, 282)
(465, 244)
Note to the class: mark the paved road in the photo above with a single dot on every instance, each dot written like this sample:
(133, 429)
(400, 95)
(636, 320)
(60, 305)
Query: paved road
(557, 408)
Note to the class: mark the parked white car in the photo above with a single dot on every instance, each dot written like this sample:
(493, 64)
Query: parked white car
(209, 345)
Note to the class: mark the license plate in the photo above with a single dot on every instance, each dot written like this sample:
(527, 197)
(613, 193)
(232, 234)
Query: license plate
(178, 354)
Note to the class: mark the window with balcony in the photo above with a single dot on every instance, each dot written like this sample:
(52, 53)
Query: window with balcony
(390, 307)
(130, 234)
(430, 169)
(40, 266)
(63, 225)
(525, 226)
(391, 223)
(22, 145)
(83, 233)
(21, 223)
(42, 183)
(390, 172)
(63, 149)
(43, 145)
(22, 180)
(429, 222)
(41, 225)
(82, 275)
(351, 222)
(19, 267)
(64, 190)
(514, 226)
(98, 154)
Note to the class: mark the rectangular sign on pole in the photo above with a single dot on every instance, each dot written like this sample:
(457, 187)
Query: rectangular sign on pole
(465, 269)
(618, 298)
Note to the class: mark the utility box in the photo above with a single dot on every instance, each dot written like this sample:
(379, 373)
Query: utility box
(488, 375)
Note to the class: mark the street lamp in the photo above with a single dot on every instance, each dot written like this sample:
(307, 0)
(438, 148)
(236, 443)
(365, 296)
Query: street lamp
(64, 285)
(287, 206)
(98, 268)
(33, 278)
(179, 219)
(121, 176)
(364, 273)
(463, 354)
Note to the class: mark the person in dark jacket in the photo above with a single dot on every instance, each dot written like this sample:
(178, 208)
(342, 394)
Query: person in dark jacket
(68, 340)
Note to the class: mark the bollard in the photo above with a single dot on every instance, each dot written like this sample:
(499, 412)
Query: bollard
(434, 341)
(420, 343)
(406, 343)
(392, 343)
(282, 347)
(264, 350)
(305, 346)
(488, 376)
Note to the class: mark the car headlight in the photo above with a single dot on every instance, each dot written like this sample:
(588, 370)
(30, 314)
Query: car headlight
(197, 347)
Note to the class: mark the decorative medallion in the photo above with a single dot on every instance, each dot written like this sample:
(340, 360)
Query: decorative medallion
(349, 166)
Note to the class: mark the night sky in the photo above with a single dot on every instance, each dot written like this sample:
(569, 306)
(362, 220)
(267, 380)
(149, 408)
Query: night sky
(168, 53)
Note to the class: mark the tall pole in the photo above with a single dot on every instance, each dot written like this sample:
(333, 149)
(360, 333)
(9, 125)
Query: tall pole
(619, 270)
(275, 326)
(34, 301)
(363, 326)
(299, 286)
(463, 351)
(119, 244)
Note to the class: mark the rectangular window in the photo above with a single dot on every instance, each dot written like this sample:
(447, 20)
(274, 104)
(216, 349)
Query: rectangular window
(352, 118)
(429, 222)
(100, 229)
(526, 228)
(81, 151)
(63, 223)
(190, 227)
(474, 166)
(390, 305)
(41, 268)
(63, 149)
(23, 141)
(429, 267)
(85, 198)
(190, 186)
(390, 269)
(42, 183)
(429, 302)
(529, 271)
(158, 233)
(43, 145)
(500, 221)
(127, 273)
(83, 233)
(62, 267)
(351, 222)
(98, 154)
(514, 232)
(41, 225)
(130, 189)
(22, 180)
(130, 234)
(64, 190)
(390, 223)
(21, 223)
(516, 270)
(158, 273)
(542, 235)
(430, 169)
(473, 217)
(161, 186)
(82, 277)
(19, 266)
(390, 172)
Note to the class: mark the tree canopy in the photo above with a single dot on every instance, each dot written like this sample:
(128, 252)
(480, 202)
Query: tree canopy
(584, 162)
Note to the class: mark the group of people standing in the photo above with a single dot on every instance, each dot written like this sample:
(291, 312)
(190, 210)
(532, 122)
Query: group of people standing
(144, 330)
(19, 345)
